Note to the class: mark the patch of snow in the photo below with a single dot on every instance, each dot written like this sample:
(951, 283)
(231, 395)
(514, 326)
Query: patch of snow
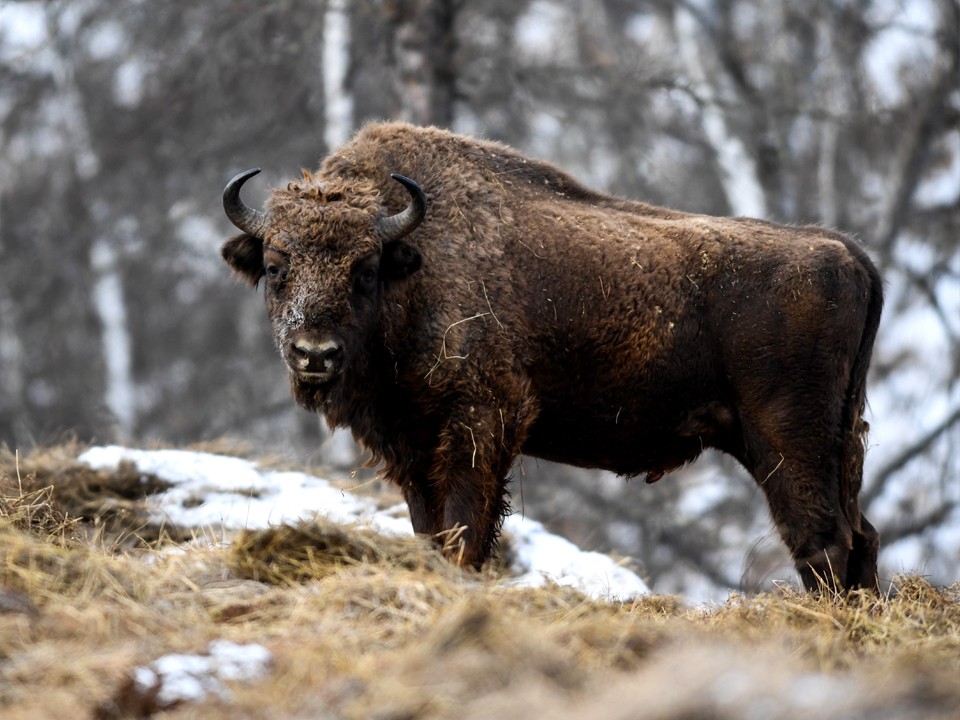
(542, 557)
(231, 493)
(179, 677)
(241, 663)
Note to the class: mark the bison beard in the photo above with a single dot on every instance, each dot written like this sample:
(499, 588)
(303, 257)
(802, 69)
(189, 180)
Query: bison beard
(491, 305)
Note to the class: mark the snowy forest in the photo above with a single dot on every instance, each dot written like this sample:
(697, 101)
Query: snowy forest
(120, 123)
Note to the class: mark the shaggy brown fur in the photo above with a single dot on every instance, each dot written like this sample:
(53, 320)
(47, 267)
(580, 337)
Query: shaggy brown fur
(529, 314)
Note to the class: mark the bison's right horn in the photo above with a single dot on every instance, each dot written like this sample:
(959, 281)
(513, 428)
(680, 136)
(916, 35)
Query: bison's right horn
(405, 222)
(252, 222)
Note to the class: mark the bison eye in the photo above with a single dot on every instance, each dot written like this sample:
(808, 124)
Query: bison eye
(365, 274)
(275, 265)
(365, 278)
(275, 273)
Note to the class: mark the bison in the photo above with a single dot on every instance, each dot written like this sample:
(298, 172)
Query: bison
(456, 303)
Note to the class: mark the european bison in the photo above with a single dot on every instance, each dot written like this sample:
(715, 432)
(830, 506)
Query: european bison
(455, 304)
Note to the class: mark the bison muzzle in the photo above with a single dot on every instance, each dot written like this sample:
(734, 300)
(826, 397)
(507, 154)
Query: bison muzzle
(456, 303)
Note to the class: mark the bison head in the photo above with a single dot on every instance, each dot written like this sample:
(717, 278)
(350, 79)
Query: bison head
(325, 250)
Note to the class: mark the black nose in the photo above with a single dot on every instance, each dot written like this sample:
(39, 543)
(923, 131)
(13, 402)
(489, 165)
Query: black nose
(314, 355)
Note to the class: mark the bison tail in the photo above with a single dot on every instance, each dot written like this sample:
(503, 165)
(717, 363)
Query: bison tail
(862, 563)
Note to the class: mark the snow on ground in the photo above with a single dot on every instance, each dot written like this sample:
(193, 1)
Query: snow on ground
(229, 493)
(177, 677)
(542, 556)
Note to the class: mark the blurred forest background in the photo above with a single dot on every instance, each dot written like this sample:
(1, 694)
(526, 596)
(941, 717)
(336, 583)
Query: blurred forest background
(120, 123)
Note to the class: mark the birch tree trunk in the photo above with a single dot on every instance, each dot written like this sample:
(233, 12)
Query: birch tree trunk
(831, 98)
(338, 103)
(108, 301)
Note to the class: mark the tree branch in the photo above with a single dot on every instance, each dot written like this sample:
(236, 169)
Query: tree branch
(909, 453)
(917, 525)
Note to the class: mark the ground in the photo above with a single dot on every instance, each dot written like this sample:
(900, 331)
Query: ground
(106, 611)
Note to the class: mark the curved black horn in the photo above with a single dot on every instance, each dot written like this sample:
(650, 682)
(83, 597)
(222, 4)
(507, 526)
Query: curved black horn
(252, 222)
(405, 222)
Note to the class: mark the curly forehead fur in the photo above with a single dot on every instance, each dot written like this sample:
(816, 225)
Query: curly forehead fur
(323, 211)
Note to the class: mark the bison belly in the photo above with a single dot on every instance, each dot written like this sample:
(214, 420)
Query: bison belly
(637, 432)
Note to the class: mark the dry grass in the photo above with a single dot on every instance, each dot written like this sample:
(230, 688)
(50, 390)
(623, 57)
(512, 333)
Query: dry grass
(363, 626)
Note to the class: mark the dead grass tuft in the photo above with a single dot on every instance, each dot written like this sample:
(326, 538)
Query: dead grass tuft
(53, 490)
(836, 631)
(289, 554)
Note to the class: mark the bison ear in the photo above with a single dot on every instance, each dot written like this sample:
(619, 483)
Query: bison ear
(244, 253)
(399, 260)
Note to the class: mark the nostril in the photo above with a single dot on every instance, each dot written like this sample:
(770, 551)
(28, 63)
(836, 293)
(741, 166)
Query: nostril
(333, 357)
(327, 360)
(299, 354)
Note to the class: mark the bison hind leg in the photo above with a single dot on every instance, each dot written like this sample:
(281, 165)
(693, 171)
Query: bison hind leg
(831, 542)
(802, 485)
(862, 561)
(826, 568)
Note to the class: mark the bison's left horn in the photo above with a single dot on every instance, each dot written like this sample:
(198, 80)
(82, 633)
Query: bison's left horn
(252, 222)
(405, 222)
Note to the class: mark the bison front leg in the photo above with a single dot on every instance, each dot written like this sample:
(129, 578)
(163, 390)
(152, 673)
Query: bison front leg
(472, 459)
(426, 512)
